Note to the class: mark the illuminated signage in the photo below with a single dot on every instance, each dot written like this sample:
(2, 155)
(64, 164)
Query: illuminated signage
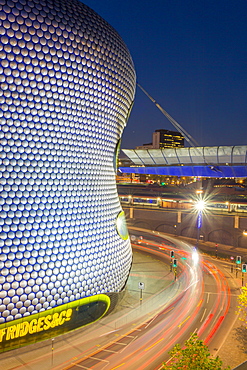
(52, 322)
(199, 220)
(35, 325)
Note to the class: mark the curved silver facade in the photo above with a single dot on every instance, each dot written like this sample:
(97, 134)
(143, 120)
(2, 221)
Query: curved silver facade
(67, 84)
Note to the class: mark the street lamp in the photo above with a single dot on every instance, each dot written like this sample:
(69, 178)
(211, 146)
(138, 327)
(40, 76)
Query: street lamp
(200, 205)
(244, 266)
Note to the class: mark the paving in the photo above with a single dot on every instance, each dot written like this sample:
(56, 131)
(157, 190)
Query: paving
(149, 270)
(155, 276)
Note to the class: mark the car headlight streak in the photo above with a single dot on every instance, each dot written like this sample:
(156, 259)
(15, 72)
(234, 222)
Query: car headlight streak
(67, 83)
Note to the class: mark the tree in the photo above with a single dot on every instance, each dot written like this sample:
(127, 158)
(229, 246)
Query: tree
(194, 355)
(242, 304)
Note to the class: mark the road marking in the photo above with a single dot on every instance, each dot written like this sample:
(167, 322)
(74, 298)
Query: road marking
(183, 322)
(109, 332)
(164, 313)
(154, 344)
(208, 297)
(122, 344)
(83, 367)
(98, 359)
(150, 322)
(195, 331)
(203, 315)
(218, 293)
(108, 350)
(200, 302)
(128, 344)
(118, 366)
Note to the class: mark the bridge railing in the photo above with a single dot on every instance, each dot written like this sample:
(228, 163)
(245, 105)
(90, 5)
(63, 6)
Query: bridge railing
(217, 155)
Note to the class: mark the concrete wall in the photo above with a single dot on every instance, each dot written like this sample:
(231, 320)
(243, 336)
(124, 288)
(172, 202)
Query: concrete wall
(221, 228)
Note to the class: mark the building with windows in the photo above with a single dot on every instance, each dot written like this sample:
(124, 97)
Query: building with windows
(165, 139)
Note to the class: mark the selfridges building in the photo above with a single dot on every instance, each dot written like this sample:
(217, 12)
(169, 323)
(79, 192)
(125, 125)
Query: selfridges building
(67, 87)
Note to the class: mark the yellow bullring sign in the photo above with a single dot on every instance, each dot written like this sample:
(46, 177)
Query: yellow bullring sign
(53, 322)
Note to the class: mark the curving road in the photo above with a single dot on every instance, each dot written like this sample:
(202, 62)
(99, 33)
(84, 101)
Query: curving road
(200, 305)
(197, 299)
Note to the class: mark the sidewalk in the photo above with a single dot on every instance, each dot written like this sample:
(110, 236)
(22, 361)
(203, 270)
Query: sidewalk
(147, 269)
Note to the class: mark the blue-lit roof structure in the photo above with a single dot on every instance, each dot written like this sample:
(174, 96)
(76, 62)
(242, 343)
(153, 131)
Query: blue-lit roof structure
(219, 161)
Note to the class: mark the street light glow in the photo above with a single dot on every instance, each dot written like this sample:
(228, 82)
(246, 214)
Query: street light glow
(195, 256)
(200, 205)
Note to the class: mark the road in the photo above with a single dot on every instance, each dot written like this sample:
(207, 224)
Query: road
(200, 306)
(199, 300)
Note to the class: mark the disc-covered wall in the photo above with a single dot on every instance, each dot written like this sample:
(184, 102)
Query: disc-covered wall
(67, 84)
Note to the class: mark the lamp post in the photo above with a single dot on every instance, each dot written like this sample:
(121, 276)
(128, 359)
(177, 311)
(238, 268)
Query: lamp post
(244, 266)
(199, 206)
(175, 229)
(199, 225)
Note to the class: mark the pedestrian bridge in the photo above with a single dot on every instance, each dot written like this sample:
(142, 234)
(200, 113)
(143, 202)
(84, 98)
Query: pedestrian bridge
(216, 161)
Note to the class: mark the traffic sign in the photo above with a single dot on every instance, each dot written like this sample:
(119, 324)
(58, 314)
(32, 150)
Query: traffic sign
(141, 285)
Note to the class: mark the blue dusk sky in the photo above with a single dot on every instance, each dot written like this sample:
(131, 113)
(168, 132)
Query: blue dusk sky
(191, 57)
